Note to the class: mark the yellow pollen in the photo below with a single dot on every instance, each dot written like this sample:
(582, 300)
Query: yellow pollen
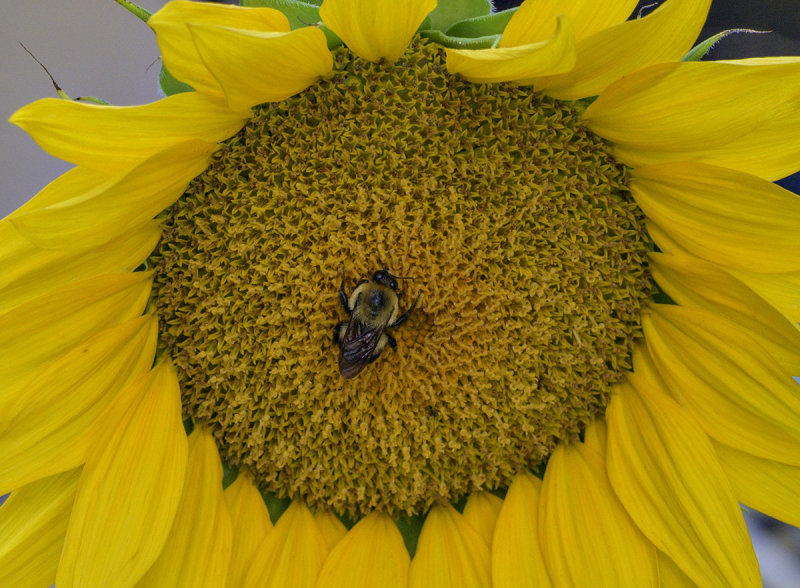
(512, 219)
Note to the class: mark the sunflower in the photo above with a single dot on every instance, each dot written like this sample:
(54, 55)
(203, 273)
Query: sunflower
(598, 368)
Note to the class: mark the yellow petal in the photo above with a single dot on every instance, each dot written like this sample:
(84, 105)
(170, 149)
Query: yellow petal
(250, 521)
(765, 485)
(47, 326)
(198, 548)
(763, 151)
(112, 139)
(375, 29)
(778, 290)
(65, 187)
(174, 39)
(256, 67)
(666, 34)
(33, 522)
(764, 60)
(130, 490)
(721, 215)
(665, 472)
(119, 205)
(521, 64)
(481, 512)
(371, 554)
(596, 436)
(587, 537)
(536, 20)
(46, 422)
(670, 575)
(516, 549)
(738, 392)
(449, 553)
(695, 283)
(29, 272)
(332, 529)
(292, 554)
(661, 113)
(769, 151)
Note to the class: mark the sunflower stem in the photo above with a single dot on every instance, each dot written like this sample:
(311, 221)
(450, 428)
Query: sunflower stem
(92, 99)
(701, 50)
(135, 9)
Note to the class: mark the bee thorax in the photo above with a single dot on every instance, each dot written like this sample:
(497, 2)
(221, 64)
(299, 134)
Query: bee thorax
(376, 301)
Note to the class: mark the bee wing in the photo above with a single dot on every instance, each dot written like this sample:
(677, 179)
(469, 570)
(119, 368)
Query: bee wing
(357, 347)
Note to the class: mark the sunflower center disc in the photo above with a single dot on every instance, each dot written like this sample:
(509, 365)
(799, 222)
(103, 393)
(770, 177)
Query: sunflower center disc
(514, 223)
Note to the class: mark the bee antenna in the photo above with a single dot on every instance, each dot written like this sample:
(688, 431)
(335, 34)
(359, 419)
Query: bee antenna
(403, 278)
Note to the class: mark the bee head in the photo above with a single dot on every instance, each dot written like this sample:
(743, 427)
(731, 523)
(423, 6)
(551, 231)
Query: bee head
(385, 278)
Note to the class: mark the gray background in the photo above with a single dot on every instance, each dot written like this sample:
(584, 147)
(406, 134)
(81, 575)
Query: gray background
(92, 48)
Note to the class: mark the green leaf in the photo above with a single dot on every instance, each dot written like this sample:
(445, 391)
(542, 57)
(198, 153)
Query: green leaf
(482, 26)
(701, 49)
(449, 12)
(300, 14)
(346, 520)
(662, 297)
(275, 506)
(409, 528)
(229, 474)
(461, 42)
(582, 104)
(499, 492)
(333, 39)
(171, 85)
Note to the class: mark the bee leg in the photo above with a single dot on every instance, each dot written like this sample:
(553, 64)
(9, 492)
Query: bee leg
(338, 332)
(343, 297)
(407, 313)
(390, 340)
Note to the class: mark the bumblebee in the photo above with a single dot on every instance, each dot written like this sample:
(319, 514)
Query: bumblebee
(373, 307)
